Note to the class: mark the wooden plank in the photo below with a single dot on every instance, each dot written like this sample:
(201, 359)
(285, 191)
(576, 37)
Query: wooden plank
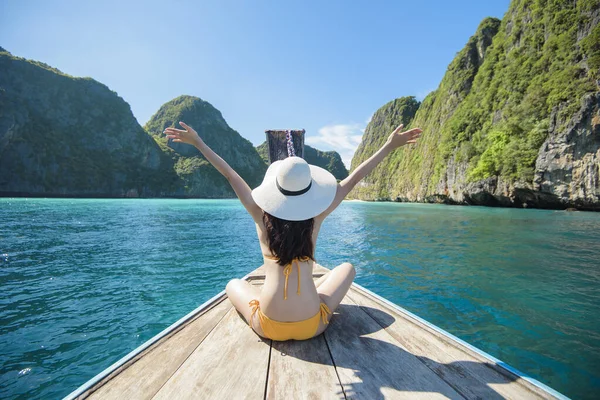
(378, 351)
(257, 282)
(230, 363)
(142, 379)
(302, 370)
(372, 365)
(258, 273)
(469, 373)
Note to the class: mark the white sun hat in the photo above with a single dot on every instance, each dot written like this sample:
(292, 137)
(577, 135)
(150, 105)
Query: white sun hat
(294, 190)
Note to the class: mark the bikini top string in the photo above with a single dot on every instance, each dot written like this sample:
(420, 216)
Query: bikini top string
(288, 270)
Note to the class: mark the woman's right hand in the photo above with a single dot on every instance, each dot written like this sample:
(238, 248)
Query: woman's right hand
(399, 139)
(188, 135)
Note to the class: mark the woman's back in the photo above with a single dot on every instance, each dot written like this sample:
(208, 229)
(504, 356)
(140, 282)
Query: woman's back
(297, 306)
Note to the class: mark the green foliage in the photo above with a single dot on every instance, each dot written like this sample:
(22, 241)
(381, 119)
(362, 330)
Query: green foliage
(74, 136)
(591, 48)
(263, 151)
(490, 114)
(489, 162)
(199, 177)
(329, 160)
(531, 68)
(383, 122)
(187, 165)
(77, 137)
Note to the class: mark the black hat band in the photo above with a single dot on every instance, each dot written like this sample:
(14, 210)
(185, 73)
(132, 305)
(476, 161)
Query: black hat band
(293, 193)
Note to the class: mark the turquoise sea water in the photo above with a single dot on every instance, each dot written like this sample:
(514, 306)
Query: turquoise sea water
(83, 282)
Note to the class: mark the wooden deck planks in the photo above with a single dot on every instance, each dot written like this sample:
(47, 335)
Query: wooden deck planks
(143, 378)
(370, 350)
(372, 365)
(230, 363)
(302, 370)
(466, 371)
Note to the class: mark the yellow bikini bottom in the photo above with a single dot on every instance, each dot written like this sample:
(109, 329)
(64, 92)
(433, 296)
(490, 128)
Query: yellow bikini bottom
(297, 330)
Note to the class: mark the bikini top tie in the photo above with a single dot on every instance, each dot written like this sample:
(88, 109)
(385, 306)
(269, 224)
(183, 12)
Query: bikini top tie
(288, 270)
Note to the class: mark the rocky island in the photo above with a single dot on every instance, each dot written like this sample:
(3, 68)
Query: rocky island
(62, 136)
(515, 121)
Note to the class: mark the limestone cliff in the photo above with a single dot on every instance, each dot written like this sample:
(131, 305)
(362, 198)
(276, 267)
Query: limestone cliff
(197, 177)
(66, 136)
(568, 164)
(514, 120)
(74, 137)
(400, 111)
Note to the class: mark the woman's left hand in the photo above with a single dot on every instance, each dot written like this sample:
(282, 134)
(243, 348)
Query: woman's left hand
(189, 135)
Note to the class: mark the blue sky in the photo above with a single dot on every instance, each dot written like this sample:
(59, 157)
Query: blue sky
(324, 66)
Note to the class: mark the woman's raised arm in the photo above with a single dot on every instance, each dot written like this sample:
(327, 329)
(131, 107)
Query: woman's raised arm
(240, 187)
(395, 140)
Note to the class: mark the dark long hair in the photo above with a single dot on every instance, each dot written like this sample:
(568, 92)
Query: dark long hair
(289, 239)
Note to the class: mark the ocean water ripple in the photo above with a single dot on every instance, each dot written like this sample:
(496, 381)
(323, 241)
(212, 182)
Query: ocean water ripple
(84, 282)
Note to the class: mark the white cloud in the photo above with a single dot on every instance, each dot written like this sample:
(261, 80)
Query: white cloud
(343, 138)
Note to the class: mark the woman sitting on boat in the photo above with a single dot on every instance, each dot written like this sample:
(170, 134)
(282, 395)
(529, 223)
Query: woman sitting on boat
(288, 209)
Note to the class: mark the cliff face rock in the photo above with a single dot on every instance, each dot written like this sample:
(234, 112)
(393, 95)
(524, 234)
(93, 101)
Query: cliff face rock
(66, 136)
(197, 177)
(74, 137)
(407, 174)
(383, 122)
(514, 120)
(329, 160)
(568, 164)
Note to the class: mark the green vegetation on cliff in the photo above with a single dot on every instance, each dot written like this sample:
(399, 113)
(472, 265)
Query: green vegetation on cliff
(67, 136)
(535, 64)
(490, 114)
(198, 177)
(61, 135)
(383, 122)
(329, 160)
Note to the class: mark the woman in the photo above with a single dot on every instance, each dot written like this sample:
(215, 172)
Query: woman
(288, 209)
